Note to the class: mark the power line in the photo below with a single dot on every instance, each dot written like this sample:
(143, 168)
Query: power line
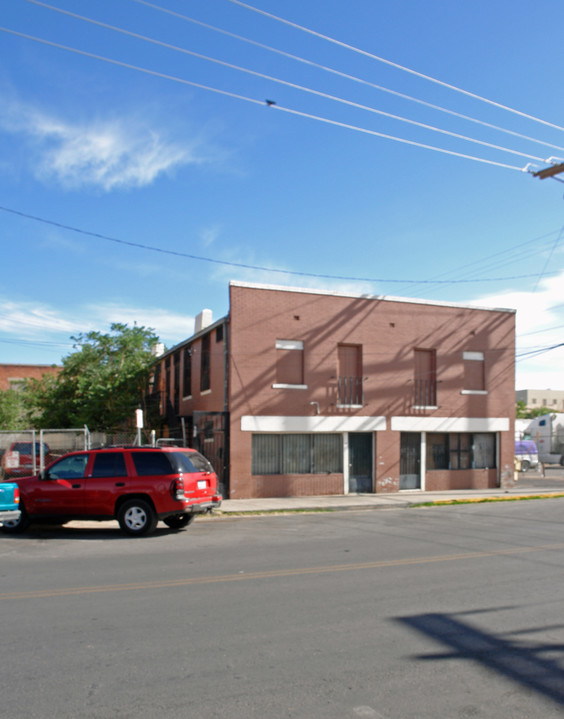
(538, 332)
(246, 266)
(549, 258)
(310, 116)
(394, 64)
(339, 73)
(517, 253)
(39, 343)
(535, 353)
(286, 83)
(397, 139)
(129, 66)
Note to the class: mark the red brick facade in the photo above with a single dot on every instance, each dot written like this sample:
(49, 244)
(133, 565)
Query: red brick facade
(429, 405)
(13, 374)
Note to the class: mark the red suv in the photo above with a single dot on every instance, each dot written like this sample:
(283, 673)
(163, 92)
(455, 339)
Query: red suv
(135, 485)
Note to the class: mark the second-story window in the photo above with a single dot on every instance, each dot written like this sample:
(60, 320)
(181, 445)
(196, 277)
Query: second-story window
(289, 363)
(474, 371)
(205, 380)
(350, 375)
(425, 378)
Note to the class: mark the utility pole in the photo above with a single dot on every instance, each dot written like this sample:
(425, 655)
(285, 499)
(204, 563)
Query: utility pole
(550, 172)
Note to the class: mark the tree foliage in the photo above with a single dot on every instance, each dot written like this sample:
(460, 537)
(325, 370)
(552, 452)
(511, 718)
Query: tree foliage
(102, 383)
(12, 412)
(524, 413)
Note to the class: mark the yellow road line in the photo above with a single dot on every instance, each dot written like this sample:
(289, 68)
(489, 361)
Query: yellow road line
(272, 574)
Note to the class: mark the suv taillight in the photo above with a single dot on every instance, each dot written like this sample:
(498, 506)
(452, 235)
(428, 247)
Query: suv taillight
(177, 489)
(17, 495)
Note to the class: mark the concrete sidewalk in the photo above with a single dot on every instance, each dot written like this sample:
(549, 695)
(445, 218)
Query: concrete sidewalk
(398, 500)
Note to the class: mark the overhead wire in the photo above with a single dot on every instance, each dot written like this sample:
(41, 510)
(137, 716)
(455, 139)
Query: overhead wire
(535, 353)
(278, 107)
(280, 81)
(511, 255)
(394, 64)
(549, 258)
(339, 73)
(244, 265)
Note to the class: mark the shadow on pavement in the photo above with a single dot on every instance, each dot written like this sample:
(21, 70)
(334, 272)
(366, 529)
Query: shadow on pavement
(534, 666)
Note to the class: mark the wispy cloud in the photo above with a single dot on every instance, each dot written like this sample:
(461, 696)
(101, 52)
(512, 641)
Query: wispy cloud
(107, 154)
(29, 319)
(40, 322)
(209, 235)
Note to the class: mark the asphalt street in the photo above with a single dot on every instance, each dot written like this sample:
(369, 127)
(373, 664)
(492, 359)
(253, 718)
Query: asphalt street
(426, 612)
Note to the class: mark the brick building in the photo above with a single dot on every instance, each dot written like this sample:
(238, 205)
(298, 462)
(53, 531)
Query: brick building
(304, 392)
(12, 375)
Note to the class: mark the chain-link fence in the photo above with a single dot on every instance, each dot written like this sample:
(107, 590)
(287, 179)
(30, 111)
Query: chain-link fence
(28, 452)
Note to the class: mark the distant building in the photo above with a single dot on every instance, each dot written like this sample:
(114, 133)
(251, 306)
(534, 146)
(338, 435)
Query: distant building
(552, 399)
(13, 375)
(306, 392)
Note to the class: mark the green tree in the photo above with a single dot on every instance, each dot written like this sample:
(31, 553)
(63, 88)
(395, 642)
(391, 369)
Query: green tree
(12, 414)
(524, 413)
(102, 383)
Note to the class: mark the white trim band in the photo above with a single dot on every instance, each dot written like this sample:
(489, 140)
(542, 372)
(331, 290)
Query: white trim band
(251, 423)
(450, 424)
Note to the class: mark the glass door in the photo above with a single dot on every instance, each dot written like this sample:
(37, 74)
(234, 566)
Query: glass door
(410, 460)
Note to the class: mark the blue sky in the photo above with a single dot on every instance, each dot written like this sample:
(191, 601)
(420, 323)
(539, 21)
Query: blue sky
(137, 167)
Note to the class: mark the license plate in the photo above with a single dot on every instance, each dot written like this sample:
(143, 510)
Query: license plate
(202, 484)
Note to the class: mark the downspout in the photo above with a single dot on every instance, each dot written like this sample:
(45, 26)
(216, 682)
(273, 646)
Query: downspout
(226, 365)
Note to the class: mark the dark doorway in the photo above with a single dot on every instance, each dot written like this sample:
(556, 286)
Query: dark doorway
(211, 438)
(360, 462)
(410, 460)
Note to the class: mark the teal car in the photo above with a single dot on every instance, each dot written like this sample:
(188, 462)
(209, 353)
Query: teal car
(9, 503)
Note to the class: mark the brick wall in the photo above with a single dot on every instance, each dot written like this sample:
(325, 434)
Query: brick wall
(10, 374)
(389, 331)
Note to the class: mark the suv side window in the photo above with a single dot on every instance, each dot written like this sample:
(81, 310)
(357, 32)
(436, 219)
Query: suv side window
(190, 462)
(72, 467)
(149, 463)
(109, 464)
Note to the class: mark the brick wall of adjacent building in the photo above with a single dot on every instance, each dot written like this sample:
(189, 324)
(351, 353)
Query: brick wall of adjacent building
(13, 374)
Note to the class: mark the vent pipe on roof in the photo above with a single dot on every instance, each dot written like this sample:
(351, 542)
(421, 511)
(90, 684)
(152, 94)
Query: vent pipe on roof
(203, 320)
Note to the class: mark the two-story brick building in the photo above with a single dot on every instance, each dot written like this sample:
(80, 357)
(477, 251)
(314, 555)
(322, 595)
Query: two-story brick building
(307, 392)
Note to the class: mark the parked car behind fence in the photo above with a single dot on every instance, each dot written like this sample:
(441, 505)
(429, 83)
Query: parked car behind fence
(527, 454)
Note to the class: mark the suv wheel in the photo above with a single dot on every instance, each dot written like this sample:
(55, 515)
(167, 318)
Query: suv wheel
(179, 521)
(137, 517)
(15, 526)
(525, 465)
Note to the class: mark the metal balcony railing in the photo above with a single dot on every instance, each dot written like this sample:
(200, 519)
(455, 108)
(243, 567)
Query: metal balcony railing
(350, 391)
(425, 393)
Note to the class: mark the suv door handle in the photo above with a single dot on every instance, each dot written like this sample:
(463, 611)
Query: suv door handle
(76, 486)
(120, 484)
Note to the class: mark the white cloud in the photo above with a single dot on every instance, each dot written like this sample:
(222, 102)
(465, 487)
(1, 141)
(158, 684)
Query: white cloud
(35, 321)
(29, 319)
(540, 325)
(170, 328)
(108, 154)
